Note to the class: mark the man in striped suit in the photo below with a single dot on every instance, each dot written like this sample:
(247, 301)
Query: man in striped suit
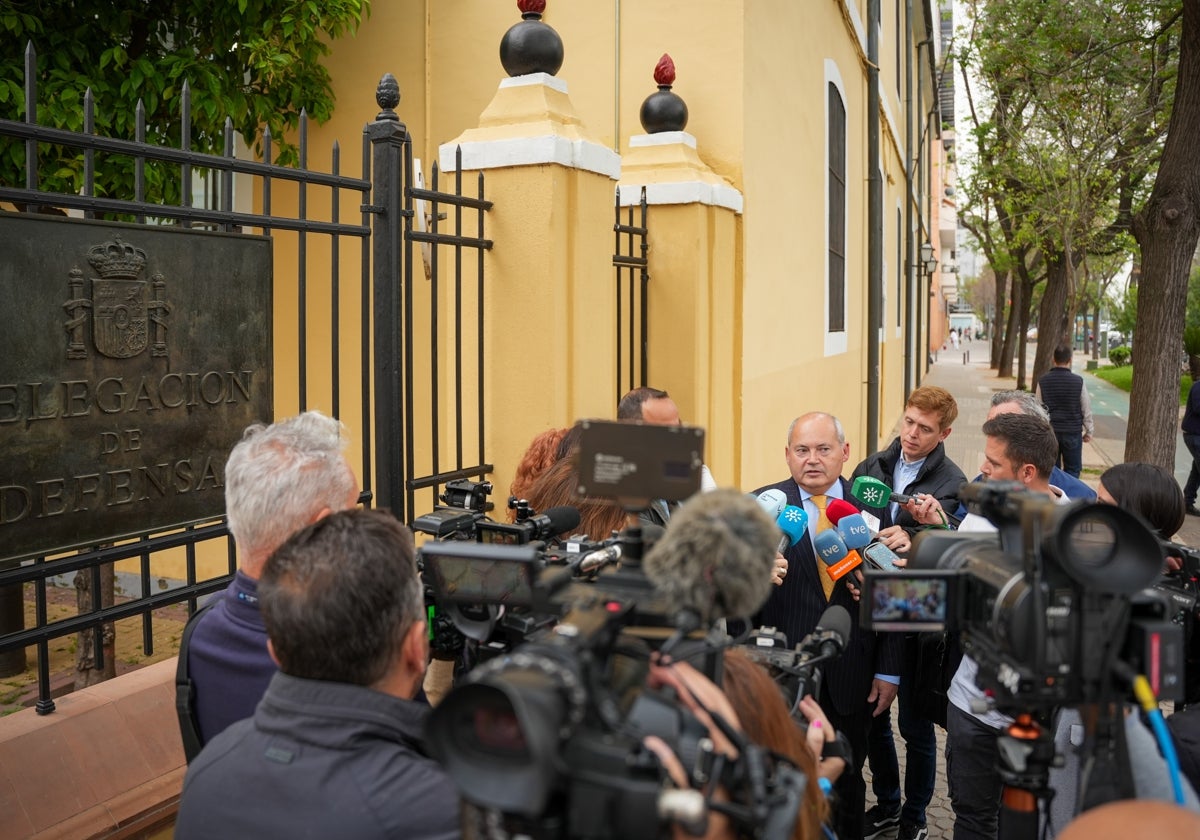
(863, 681)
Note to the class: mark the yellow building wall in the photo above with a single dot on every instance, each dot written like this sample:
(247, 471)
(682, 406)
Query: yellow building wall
(754, 77)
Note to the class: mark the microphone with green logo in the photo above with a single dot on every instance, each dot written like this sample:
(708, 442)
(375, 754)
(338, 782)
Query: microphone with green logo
(876, 494)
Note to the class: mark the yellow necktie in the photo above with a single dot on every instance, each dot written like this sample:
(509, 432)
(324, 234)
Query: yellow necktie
(823, 524)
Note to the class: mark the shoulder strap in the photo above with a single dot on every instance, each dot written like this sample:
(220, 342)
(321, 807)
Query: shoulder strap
(185, 705)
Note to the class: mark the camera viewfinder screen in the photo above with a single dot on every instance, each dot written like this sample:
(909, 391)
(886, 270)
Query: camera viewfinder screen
(908, 603)
(480, 580)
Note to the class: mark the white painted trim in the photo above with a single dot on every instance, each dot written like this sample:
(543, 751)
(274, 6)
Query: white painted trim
(533, 151)
(835, 342)
(535, 79)
(662, 138)
(682, 192)
(859, 29)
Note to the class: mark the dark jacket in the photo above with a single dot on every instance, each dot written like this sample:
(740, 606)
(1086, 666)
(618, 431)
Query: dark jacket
(938, 476)
(1062, 394)
(317, 760)
(1191, 415)
(796, 605)
(227, 658)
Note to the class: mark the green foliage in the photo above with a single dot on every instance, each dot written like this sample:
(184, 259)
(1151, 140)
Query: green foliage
(1122, 377)
(1191, 340)
(1193, 299)
(1068, 120)
(1119, 356)
(257, 68)
(1124, 312)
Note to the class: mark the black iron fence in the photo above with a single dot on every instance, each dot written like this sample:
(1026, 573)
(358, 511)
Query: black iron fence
(372, 377)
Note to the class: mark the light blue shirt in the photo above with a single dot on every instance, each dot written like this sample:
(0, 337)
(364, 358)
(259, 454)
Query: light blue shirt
(903, 475)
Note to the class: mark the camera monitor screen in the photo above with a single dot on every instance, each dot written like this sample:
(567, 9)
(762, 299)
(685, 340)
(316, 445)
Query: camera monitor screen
(637, 462)
(907, 601)
(474, 573)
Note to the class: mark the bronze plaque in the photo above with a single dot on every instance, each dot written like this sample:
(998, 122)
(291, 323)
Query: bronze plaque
(131, 359)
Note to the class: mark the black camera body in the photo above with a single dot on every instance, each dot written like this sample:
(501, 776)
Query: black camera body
(1050, 607)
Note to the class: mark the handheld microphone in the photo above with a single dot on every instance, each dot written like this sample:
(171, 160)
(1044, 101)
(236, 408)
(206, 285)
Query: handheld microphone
(773, 501)
(793, 521)
(854, 532)
(875, 493)
(834, 554)
(715, 557)
(839, 508)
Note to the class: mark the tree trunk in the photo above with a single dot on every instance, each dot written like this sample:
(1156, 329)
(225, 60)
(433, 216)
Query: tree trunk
(1054, 328)
(1022, 333)
(998, 318)
(1167, 229)
(1012, 329)
(1096, 327)
(86, 670)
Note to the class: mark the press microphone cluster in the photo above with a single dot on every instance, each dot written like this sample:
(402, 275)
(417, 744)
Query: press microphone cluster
(852, 527)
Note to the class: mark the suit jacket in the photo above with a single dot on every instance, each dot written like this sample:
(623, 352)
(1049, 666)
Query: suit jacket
(938, 476)
(795, 607)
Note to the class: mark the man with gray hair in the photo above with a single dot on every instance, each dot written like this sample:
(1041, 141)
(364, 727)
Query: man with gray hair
(1024, 402)
(278, 479)
(336, 747)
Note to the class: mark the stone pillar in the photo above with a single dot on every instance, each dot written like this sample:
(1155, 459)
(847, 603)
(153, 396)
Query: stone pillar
(549, 300)
(695, 312)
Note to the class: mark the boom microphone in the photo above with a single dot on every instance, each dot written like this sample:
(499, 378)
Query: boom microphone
(834, 554)
(715, 557)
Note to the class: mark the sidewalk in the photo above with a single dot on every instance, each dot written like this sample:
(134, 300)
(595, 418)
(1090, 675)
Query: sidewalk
(966, 375)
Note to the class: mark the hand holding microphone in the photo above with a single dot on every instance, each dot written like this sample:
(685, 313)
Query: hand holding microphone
(874, 548)
(874, 493)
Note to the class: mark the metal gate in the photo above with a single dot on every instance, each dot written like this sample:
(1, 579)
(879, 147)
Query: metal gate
(632, 290)
(372, 378)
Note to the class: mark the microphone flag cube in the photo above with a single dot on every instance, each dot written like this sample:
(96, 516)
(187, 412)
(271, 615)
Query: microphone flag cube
(871, 491)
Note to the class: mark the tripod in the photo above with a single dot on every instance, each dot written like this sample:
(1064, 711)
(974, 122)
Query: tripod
(1027, 752)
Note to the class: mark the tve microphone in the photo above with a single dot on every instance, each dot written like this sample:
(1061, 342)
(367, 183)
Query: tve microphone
(874, 493)
(793, 521)
(715, 557)
(773, 501)
(834, 554)
(854, 532)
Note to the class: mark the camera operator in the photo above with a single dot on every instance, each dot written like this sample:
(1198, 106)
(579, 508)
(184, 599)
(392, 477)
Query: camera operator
(335, 748)
(1021, 448)
(766, 720)
(1152, 493)
(749, 700)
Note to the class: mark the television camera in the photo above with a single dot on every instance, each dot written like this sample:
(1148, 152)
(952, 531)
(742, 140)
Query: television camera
(1059, 608)
(546, 739)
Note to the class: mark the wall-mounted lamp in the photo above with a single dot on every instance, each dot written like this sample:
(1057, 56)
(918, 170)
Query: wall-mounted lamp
(927, 264)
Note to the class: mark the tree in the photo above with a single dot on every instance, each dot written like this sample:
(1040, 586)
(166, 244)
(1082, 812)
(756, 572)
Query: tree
(1167, 230)
(257, 67)
(1079, 95)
